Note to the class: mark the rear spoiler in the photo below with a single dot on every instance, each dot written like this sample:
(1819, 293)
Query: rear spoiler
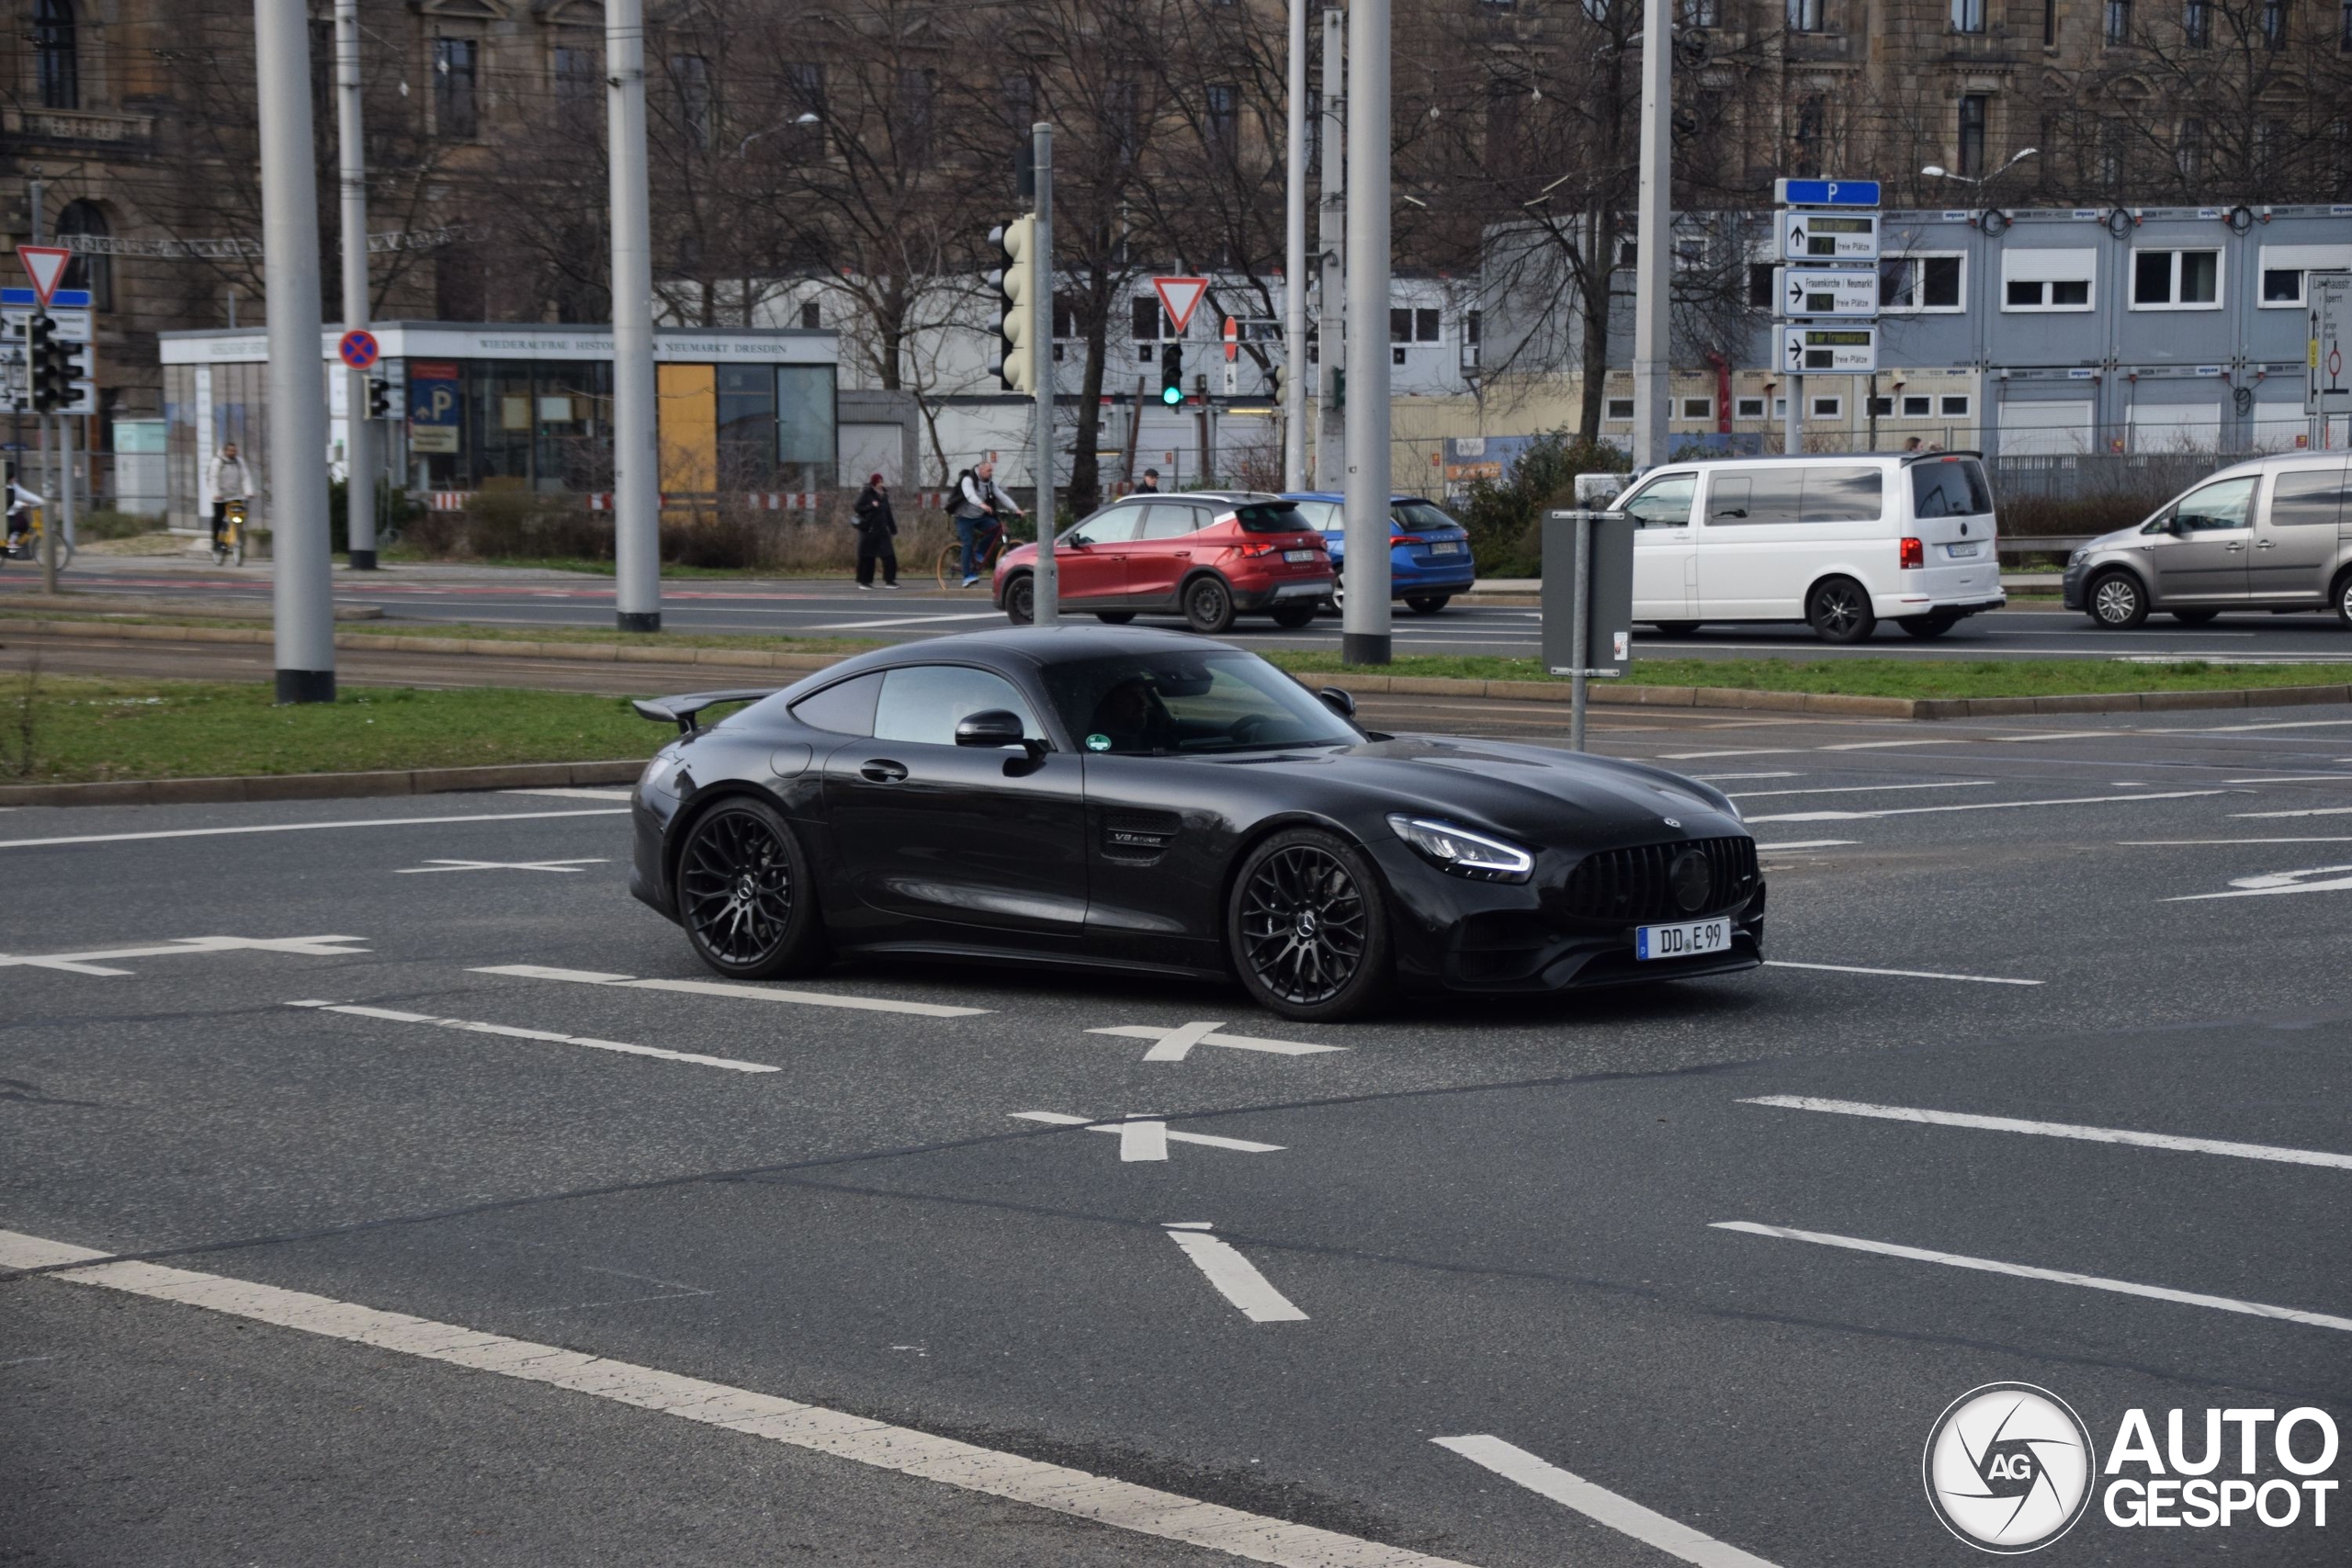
(683, 710)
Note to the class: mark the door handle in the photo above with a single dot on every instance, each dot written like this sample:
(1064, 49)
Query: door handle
(2266, 544)
(882, 771)
(2234, 549)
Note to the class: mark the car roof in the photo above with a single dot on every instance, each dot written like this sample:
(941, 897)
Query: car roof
(1905, 457)
(1236, 496)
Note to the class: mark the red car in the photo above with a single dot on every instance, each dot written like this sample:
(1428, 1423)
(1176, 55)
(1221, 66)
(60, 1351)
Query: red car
(1207, 556)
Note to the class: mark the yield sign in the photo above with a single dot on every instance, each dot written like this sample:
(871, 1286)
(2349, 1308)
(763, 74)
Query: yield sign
(47, 264)
(1179, 297)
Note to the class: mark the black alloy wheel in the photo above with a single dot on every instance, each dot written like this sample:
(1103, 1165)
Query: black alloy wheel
(1296, 615)
(1208, 605)
(744, 892)
(1306, 928)
(2195, 617)
(1115, 618)
(1840, 611)
(1927, 626)
(1020, 600)
(1428, 604)
(2117, 602)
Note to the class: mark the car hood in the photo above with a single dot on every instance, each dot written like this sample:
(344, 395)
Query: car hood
(1532, 793)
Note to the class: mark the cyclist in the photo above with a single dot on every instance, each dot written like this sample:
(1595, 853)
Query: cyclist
(228, 480)
(980, 508)
(21, 502)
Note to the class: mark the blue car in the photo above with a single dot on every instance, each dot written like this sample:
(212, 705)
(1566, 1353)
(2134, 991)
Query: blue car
(1428, 553)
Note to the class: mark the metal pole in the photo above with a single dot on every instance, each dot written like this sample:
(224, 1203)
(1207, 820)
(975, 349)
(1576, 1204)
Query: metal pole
(1791, 436)
(302, 572)
(359, 431)
(1363, 637)
(637, 474)
(65, 471)
(1654, 240)
(1580, 628)
(1295, 263)
(1330, 239)
(48, 528)
(1047, 587)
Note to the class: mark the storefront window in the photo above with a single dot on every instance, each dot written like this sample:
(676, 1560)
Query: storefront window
(804, 444)
(747, 426)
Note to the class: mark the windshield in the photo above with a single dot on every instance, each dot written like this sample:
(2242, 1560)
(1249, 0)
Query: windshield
(1421, 517)
(1162, 705)
(1272, 518)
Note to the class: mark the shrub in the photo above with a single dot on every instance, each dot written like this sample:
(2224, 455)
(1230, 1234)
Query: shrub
(1505, 520)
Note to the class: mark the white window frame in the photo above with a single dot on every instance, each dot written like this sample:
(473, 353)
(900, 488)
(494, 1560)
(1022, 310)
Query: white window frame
(2220, 279)
(1747, 408)
(2302, 260)
(1945, 399)
(1926, 400)
(2040, 264)
(1815, 409)
(1912, 259)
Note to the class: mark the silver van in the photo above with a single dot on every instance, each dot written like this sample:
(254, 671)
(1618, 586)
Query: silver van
(2274, 534)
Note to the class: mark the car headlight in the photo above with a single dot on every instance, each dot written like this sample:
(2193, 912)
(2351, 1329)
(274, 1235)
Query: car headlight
(2081, 555)
(1451, 847)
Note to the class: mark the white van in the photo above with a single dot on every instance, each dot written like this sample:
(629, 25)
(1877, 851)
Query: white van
(1840, 543)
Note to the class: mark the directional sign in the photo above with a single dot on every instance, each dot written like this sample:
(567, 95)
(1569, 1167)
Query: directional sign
(46, 263)
(2327, 389)
(1829, 237)
(1824, 291)
(1825, 193)
(358, 348)
(1179, 297)
(1809, 349)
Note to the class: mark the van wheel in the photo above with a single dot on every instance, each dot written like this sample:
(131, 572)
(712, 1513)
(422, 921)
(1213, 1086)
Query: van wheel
(1208, 605)
(1927, 626)
(1840, 611)
(1427, 603)
(1020, 600)
(2117, 602)
(2194, 617)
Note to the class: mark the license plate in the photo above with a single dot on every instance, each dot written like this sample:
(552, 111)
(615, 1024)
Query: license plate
(1688, 940)
(1448, 547)
(1963, 552)
(1300, 555)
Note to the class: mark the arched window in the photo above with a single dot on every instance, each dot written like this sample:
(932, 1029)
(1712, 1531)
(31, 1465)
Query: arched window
(93, 272)
(61, 69)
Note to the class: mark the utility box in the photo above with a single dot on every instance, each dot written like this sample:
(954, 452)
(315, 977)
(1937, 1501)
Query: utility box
(1605, 589)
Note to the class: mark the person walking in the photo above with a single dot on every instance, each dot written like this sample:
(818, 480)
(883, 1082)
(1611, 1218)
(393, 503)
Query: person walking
(1151, 485)
(877, 527)
(982, 507)
(227, 479)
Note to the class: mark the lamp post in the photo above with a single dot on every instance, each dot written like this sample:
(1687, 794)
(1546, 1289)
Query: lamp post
(1982, 183)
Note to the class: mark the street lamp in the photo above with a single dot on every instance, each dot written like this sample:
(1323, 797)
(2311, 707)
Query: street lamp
(798, 121)
(1937, 172)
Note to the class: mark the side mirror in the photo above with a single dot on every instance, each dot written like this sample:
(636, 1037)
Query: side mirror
(992, 729)
(1338, 701)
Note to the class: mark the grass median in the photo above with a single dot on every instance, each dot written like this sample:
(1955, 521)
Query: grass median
(64, 610)
(65, 729)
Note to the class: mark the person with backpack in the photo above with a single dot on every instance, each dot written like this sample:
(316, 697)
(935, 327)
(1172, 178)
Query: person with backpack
(876, 526)
(979, 509)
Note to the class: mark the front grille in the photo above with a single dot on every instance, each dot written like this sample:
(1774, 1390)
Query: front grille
(1630, 885)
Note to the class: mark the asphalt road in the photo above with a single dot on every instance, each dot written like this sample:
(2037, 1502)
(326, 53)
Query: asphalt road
(1493, 1222)
(817, 607)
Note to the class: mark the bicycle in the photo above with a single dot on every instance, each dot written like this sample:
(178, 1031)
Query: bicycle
(951, 559)
(231, 539)
(28, 545)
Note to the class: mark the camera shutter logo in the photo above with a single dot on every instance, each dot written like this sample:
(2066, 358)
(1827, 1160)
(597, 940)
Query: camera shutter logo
(2008, 1468)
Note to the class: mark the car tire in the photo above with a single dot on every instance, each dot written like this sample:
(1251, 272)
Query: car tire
(1208, 605)
(1020, 600)
(1924, 626)
(744, 893)
(1677, 628)
(1838, 610)
(1115, 618)
(2344, 598)
(1290, 617)
(1428, 604)
(1306, 928)
(2194, 617)
(1339, 600)
(2115, 602)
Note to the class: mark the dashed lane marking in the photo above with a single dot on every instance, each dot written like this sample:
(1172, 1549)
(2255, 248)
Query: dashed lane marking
(729, 988)
(306, 826)
(2297, 778)
(2311, 811)
(1985, 805)
(1236, 1277)
(1858, 789)
(905, 621)
(561, 793)
(1144, 1137)
(1119, 1504)
(1598, 1503)
(1901, 973)
(557, 865)
(2053, 1130)
(2182, 843)
(1175, 1044)
(2278, 881)
(95, 963)
(2055, 1275)
(507, 1031)
(1807, 844)
(1723, 778)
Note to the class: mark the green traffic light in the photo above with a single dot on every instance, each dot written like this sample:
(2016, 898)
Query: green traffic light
(1172, 395)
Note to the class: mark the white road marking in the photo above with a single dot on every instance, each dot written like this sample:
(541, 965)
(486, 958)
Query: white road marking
(510, 1032)
(559, 866)
(561, 793)
(1136, 1130)
(1889, 744)
(2056, 1276)
(1236, 1277)
(727, 988)
(1752, 751)
(968, 1467)
(2278, 881)
(306, 826)
(1142, 1138)
(2245, 728)
(2054, 1130)
(1858, 789)
(2174, 843)
(1621, 1514)
(1904, 974)
(94, 962)
(1985, 805)
(1720, 778)
(2311, 811)
(2299, 778)
(1175, 1044)
(1807, 844)
(904, 621)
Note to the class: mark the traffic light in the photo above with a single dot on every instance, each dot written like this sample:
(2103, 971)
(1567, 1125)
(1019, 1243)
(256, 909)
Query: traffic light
(40, 341)
(1016, 365)
(379, 398)
(1338, 387)
(1171, 373)
(70, 369)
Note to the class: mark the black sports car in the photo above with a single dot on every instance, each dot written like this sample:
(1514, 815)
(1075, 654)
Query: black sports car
(1147, 801)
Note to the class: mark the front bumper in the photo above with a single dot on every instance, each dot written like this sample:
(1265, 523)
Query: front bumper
(2072, 586)
(1280, 590)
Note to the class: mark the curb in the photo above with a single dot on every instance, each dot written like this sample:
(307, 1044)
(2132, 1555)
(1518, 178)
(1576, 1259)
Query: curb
(101, 604)
(323, 786)
(364, 642)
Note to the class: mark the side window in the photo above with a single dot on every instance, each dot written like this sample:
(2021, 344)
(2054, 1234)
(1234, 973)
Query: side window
(1844, 495)
(1115, 527)
(923, 703)
(2217, 506)
(1756, 495)
(1728, 497)
(1664, 502)
(1321, 516)
(845, 709)
(1170, 520)
(2309, 496)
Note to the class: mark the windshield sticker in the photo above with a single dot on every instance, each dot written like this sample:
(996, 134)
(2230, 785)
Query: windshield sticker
(1097, 743)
